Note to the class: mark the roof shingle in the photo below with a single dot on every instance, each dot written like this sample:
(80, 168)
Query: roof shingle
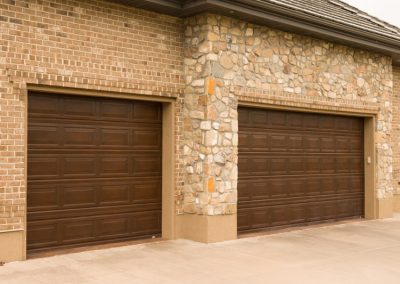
(342, 13)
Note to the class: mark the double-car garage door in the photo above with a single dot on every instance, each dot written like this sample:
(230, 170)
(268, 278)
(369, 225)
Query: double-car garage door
(94, 170)
(298, 168)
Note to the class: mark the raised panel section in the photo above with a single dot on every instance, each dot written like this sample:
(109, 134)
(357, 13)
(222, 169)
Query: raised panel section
(78, 167)
(115, 194)
(79, 107)
(43, 197)
(147, 138)
(79, 196)
(43, 167)
(114, 110)
(79, 136)
(146, 112)
(115, 137)
(43, 135)
(146, 166)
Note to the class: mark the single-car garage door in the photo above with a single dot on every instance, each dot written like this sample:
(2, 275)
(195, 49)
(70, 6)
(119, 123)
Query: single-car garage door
(298, 168)
(94, 170)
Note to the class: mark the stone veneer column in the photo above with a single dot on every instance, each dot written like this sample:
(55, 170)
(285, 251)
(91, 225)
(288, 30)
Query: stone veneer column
(210, 141)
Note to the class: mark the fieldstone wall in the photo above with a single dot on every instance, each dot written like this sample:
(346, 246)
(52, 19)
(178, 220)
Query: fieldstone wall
(229, 61)
(396, 135)
(210, 129)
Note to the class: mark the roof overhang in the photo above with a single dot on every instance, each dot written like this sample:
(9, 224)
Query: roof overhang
(277, 16)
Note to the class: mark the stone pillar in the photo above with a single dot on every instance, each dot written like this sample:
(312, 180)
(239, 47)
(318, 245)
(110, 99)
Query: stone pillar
(210, 140)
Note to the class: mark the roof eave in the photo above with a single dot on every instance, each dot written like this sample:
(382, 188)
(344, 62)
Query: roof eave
(276, 16)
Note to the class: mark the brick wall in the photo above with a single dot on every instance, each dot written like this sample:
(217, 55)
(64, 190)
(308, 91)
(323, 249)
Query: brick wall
(79, 44)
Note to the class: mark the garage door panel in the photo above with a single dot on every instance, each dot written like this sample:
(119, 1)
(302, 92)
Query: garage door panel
(115, 137)
(56, 134)
(279, 216)
(295, 165)
(296, 143)
(328, 165)
(344, 123)
(277, 165)
(114, 194)
(258, 117)
(327, 144)
(147, 139)
(298, 214)
(44, 135)
(278, 142)
(77, 231)
(356, 184)
(79, 107)
(44, 105)
(310, 121)
(146, 223)
(243, 220)
(146, 112)
(260, 217)
(94, 170)
(99, 109)
(328, 185)
(145, 166)
(114, 166)
(43, 234)
(58, 233)
(294, 120)
(115, 110)
(79, 196)
(43, 197)
(65, 194)
(258, 165)
(88, 212)
(343, 144)
(77, 167)
(114, 227)
(146, 192)
(296, 168)
(326, 122)
(269, 140)
(78, 136)
(43, 167)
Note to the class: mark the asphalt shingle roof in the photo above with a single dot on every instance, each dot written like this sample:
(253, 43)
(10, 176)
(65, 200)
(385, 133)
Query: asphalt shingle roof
(339, 12)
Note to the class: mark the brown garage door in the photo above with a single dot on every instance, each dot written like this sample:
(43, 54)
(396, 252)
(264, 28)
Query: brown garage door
(298, 168)
(94, 170)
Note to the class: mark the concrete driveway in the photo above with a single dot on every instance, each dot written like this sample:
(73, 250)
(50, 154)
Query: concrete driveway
(355, 252)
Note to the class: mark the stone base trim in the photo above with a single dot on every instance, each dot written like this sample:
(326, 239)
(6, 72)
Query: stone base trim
(396, 203)
(12, 246)
(384, 208)
(207, 229)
